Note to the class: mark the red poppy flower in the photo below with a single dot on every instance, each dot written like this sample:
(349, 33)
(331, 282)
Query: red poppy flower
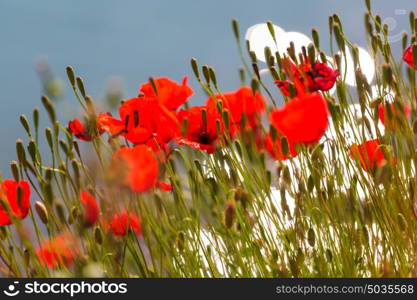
(408, 56)
(303, 119)
(106, 122)
(82, 132)
(314, 77)
(143, 119)
(58, 252)
(169, 93)
(136, 168)
(122, 222)
(91, 209)
(396, 116)
(275, 148)
(78, 129)
(18, 207)
(369, 155)
(240, 103)
(200, 134)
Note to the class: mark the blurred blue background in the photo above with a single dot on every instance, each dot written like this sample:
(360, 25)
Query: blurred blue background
(137, 39)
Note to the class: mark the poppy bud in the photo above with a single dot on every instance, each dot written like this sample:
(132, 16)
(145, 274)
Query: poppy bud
(197, 164)
(20, 150)
(402, 222)
(339, 38)
(76, 147)
(274, 73)
(311, 54)
(378, 22)
(42, 212)
(404, 40)
(206, 74)
(414, 51)
(194, 66)
(235, 26)
(238, 147)
(284, 146)
(80, 85)
(336, 19)
(64, 146)
(385, 29)
(49, 138)
(291, 52)
(218, 126)
(242, 196)
(248, 46)
(242, 76)
(181, 241)
(49, 108)
(75, 167)
(26, 257)
(331, 21)
(316, 38)
(25, 123)
(153, 85)
(212, 75)
(35, 116)
(368, 24)
(256, 70)
(229, 214)
(32, 149)
(98, 235)
(48, 193)
(267, 52)
(73, 215)
(252, 56)
(60, 210)
(311, 237)
(225, 116)
(71, 76)
(254, 84)
(15, 170)
(412, 19)
(48, 174)
(90, 105)
(271, 30)
(415, 25)
(387, 74)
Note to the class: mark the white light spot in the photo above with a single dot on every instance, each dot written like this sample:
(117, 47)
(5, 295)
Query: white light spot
(259, 37)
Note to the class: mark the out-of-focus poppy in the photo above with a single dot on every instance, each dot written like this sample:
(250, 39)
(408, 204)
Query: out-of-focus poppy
(16, 195)
(408, 56)
(390, 116)
(91, 209)
(201, 131)
(303, 119)
(275, 148)
(370, 155)
(169, 93)
(60, 251)
(135, 167)
(121, 223)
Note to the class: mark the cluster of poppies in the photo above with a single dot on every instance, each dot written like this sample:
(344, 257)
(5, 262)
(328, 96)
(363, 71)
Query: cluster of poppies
(61, 251)
(152, 123)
